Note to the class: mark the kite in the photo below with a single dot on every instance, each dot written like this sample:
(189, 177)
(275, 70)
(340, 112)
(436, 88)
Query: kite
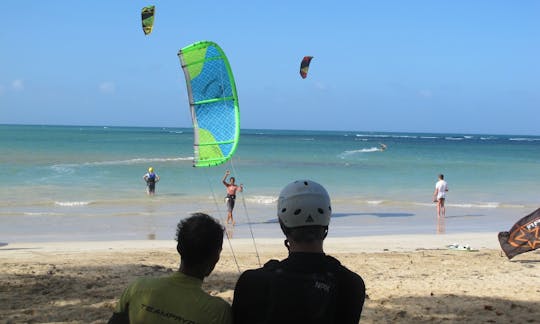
(147, 15)
(213, 102)
(523, 237)
(304, 66)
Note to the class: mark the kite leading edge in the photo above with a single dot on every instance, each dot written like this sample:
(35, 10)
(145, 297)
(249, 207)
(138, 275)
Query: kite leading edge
(213, 102)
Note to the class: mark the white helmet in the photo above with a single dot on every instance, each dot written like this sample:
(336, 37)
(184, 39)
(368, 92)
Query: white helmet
(304, 203)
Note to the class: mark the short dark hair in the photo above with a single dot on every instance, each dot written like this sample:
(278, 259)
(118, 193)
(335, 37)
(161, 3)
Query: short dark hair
(305, 234)
(199, 238)
(441, 176)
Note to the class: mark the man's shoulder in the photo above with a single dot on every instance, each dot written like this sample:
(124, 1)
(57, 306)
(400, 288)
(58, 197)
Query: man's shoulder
(256, 274)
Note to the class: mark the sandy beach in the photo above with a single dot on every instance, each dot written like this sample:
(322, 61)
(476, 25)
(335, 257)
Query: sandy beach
(409, 278)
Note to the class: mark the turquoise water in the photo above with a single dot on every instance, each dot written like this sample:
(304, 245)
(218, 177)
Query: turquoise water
(86, 182)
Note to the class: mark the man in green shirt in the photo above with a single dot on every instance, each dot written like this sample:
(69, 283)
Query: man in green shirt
(179, 298)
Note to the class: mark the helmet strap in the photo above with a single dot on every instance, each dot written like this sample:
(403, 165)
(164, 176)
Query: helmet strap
(287, 244)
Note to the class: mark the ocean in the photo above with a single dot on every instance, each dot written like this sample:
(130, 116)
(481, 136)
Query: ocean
(85, 182)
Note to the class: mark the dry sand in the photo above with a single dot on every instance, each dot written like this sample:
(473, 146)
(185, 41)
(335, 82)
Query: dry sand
(409, 279)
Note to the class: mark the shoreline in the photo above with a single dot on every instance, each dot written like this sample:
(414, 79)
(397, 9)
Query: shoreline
(347, 221)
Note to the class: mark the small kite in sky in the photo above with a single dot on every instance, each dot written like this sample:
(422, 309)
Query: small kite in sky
(304, 66)
(147, 15)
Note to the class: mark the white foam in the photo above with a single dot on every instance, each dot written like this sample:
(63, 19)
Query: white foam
(262, 200)
(375, 202)
(66, 167)
(72, 203)
(476, 205)
(524, 139)
(40, 214)
(365, 150)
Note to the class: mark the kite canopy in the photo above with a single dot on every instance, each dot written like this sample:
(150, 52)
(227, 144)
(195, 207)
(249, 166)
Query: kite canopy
(147, 15)
(213, 102)
(304, 66)
(523, 237)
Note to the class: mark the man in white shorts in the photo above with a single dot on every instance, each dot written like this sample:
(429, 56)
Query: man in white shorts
(439, 196)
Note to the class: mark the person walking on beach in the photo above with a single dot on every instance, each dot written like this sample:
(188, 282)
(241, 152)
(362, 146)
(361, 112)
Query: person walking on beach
(439, 196)
(308, 286)
(179, 298)
(232, 188)
(151, 179)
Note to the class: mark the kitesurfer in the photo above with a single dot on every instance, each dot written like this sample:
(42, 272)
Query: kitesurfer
(308, 286)
(151, 179)
(382, 146)
(178, 297)
(232, 188)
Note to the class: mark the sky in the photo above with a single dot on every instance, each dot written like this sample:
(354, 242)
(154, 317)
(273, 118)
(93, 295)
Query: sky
(446, 66)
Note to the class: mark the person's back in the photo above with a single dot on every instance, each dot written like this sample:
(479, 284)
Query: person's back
(179, 298)
(304, 288)
(172, 299)
(308, 286)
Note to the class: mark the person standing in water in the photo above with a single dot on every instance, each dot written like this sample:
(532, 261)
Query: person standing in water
(439, 196)
(232, 188)
(151, 179)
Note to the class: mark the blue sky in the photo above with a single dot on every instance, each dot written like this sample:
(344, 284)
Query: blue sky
(458, 66)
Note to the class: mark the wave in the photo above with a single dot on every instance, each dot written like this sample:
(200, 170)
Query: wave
(72, 203)
(66, 168)
(476, 205)
(364, 150)
(372, 135)
(41, 214)
(261, 200)
(386, 136)
(450, 138)
(487, 205)
(524, 139)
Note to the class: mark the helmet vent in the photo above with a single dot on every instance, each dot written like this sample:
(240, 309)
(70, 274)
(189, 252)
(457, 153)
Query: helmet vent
(305, 183)
(320, 210)
(298, 211)
(283, 210)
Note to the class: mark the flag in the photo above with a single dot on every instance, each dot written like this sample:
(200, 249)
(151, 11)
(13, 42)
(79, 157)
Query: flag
(523, 237)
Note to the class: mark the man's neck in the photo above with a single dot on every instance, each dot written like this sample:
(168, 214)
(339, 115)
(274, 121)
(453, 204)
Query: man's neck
(197, 273)
(312, 247)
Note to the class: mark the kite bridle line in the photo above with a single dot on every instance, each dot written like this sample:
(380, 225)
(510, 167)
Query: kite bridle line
(247, 216)
(221, 217)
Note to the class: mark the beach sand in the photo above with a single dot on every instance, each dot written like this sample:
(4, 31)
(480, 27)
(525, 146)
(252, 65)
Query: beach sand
(409, 278)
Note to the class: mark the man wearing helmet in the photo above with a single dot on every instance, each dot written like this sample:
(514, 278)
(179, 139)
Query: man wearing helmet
(308, 286)
(151, 179)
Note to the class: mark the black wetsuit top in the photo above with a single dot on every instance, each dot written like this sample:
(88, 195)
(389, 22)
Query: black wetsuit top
(254, 295)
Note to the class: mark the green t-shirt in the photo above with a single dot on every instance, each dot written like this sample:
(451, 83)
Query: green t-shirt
(173, 299)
